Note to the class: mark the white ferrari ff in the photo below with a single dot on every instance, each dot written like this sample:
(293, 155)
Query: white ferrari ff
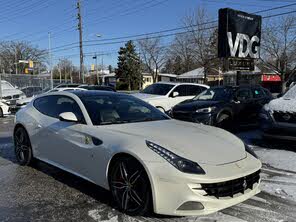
(147, 160)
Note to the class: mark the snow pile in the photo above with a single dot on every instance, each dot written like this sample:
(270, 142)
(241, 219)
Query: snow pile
(281, 159)
(280, 181)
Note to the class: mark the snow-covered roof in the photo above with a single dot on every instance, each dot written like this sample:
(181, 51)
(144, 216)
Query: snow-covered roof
(168, 75)
(161, 74)
(196, 73)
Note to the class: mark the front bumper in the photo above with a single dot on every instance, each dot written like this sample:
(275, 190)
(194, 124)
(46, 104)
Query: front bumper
(6, 110)
(278, 130)
(172, 189)
(204, 118)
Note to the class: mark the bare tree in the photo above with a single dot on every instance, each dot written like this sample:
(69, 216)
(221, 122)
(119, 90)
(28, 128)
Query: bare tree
(279, 45)
(12, 52)
(153, 55)
(181, 54)
(203, 39)
(64, 69)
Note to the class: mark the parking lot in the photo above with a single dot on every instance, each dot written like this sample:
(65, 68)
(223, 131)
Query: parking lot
(45, 193)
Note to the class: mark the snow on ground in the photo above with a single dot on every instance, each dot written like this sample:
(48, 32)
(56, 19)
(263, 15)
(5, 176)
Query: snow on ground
(279, 167)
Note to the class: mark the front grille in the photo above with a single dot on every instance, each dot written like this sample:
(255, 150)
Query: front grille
(284, 117)
(12, 102)
(232, 187)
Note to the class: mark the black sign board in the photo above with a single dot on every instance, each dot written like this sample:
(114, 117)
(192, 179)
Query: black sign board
(239, 34)
(237, 64)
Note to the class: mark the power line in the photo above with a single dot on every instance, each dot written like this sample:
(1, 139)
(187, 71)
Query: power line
(178, 28)
(130, 11)
(148, 35)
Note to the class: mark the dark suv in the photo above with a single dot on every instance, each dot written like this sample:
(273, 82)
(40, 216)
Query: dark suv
(224, 106)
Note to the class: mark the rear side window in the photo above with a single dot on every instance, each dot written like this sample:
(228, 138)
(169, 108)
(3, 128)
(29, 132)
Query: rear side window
(258, 93)
(53, 106)
(244, 94)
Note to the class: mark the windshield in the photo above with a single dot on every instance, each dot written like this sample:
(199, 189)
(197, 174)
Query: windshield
(6, 85)
(291, 94)
(158, 89)
(215, 94)
(118, 109)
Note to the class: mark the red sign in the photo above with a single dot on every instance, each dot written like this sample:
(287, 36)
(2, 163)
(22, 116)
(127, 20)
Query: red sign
(271, 78)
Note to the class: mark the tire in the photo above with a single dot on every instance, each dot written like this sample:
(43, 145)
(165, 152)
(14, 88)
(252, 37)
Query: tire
(130, 186)
(22, 147)
(160, 109)
(1, 113)
(224, 121)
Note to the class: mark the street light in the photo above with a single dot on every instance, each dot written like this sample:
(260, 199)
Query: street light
(96, 58)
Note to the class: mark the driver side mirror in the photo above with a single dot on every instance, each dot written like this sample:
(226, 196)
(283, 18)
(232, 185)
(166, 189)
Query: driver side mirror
(175, 94)
(68, 117)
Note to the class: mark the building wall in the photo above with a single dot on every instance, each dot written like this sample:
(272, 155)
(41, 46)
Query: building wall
(147, 81)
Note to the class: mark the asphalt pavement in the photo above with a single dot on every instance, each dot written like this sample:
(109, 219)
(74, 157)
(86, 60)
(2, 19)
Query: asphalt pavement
(45, 193)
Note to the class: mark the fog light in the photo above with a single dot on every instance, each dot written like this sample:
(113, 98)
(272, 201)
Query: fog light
(191, 205)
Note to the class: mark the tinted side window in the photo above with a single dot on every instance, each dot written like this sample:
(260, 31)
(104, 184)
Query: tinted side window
(243, 94)
(53, 106)
(182, 90)
(194, 90)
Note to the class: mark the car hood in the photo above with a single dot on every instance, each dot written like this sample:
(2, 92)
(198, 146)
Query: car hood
(11, 92)
(192, 105)
(144, 96)
(282, 104)
(199, 143)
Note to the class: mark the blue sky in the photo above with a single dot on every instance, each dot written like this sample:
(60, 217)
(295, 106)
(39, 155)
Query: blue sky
(31, 20)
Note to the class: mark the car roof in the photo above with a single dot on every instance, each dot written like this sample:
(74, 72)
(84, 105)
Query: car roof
(181, 83)
(89, 93)
(237, 87)
(67, 85)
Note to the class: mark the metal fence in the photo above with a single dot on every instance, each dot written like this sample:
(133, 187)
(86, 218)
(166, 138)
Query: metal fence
(22, 81)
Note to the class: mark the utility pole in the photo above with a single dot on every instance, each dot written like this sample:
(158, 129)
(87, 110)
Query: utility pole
(97, 72)
(50, 60)
(16, 71)
(79, 17)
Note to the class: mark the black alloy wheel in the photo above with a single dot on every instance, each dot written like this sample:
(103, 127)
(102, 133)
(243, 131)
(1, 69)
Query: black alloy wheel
(130, 186)
(22, 147)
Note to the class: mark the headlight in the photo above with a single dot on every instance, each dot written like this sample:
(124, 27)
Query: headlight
(206, 110)
(182, 164)
(266, 113)
(250, 151)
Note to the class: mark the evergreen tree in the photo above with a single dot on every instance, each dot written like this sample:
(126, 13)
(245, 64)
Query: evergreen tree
(129, 67)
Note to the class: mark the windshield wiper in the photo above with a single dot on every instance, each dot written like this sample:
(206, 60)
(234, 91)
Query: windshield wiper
(114, 122)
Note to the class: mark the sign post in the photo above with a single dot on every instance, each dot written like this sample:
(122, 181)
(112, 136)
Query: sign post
(239, 39)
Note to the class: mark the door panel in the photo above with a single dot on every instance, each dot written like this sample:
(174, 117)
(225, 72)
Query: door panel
(245, 107)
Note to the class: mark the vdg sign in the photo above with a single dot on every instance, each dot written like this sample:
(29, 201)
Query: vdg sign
(239, 34)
